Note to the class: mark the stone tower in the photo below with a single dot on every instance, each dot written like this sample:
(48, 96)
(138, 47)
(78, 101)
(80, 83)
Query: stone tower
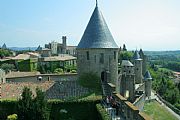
(64, 38)
(127, 82)
(144, 62)
(137, 67)
(97, 50)
(148, 83)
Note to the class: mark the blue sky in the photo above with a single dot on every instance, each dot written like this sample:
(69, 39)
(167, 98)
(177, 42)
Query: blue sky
(147, 24)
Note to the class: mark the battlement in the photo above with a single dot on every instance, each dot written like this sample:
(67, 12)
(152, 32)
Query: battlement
(128, 110)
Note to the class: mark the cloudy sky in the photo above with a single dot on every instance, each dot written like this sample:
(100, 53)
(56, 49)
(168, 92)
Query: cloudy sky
(147, 24)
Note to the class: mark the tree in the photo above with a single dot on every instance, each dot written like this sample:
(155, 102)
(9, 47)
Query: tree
(7, 67)
(32, 109)
(40, 106)
(125, 55)
(5, 53)
(25, 105)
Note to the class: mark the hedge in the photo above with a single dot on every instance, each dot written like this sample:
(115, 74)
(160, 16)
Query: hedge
(103, 115)
(64, 110)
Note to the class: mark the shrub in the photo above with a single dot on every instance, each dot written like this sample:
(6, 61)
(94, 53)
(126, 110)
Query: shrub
(58, 70)
(102, 113)
(12, 117)
(73, 71)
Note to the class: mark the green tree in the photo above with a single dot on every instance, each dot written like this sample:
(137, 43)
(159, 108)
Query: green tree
(32, 109)
(7, 67)
(125, 55)
(25, 105)
(5, 53)
(40, 106)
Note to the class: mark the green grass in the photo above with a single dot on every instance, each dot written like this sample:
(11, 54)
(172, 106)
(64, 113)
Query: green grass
(158, 112)
(165, 69)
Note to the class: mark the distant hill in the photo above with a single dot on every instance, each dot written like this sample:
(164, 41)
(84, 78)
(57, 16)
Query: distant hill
(168, 53)
(22, 48)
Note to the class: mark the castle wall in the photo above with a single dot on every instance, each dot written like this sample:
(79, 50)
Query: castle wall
(127, 85)
(128, 110)
(98, 60)
(139, 103)
(45, 77)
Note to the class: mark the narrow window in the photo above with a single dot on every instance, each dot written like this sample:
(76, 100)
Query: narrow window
(101, 58)
(114, 54)
(87, 54)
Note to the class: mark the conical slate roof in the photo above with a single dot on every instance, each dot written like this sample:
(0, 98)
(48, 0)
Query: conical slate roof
(141, 53)
(126, 63)
(39, 48)
(4, 46)
(136, 56)
(147, 76)
(97, 34)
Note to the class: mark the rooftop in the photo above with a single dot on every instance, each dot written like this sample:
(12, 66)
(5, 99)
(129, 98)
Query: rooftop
(147, 76)
(21, 74)
(136, 56)
(126, 63)
(59, 58)
(97, 34)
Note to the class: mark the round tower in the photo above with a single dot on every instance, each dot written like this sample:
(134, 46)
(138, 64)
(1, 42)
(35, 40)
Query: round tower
(137, 67)
(148, 83)
(127, 84)
(144, 61)
(97, 50)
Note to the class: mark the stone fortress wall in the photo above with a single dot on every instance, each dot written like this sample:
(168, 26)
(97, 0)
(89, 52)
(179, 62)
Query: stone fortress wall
(98, 61)
(64, 86)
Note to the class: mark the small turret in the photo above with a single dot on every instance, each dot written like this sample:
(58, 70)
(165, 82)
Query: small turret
(39, 48)
(127, 84)
(124, 47)
(148, 83)
(137, 67)
(141, 53)
(4, 46)
(144, 62)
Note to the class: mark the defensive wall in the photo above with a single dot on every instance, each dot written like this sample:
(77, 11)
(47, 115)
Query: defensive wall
(129, 111)
(43, 77)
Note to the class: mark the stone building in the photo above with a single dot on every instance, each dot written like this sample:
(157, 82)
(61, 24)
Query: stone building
(148, 83)
(127, 81)
(137, 67)
(57, 48)
(97, 50)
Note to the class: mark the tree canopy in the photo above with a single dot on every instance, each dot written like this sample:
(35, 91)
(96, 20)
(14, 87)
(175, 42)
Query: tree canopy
(30, 108)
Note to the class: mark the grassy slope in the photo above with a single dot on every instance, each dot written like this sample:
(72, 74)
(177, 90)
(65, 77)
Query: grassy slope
(158, 112)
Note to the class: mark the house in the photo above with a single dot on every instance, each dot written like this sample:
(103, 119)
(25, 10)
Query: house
(63, 61)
